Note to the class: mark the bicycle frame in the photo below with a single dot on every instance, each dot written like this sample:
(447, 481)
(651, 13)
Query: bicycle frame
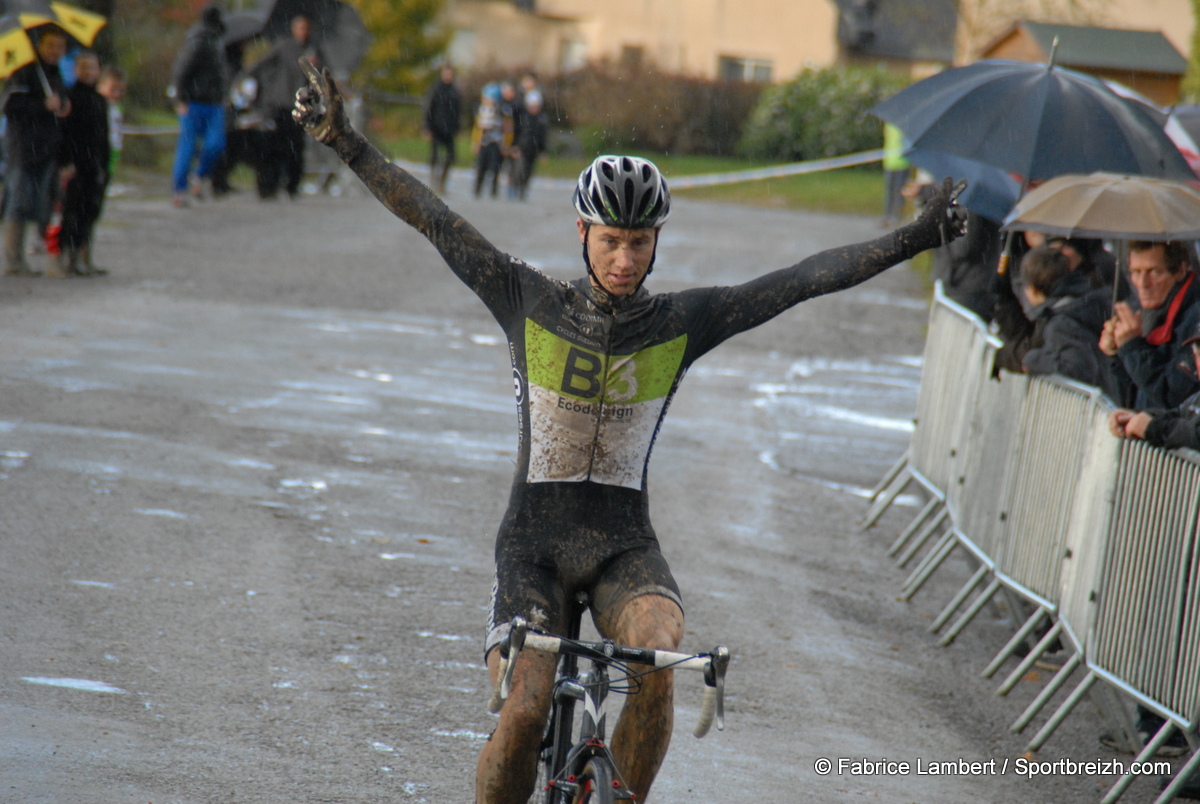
(561, 753)
(568, 761)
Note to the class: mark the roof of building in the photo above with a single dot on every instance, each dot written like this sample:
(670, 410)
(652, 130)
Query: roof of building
(1105, 48)
(917, 30)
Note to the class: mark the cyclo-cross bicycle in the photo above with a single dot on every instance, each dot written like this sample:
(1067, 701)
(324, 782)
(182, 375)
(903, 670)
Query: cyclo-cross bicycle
(580, 770)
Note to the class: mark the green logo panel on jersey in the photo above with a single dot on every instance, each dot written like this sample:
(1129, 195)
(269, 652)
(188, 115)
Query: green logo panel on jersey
(595, 415)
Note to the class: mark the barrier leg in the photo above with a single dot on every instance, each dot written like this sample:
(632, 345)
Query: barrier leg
(1185, 773)
(1028, 661)
(922, 538)
(1147, 753)
(962, 595)
(928, 566)
(889, 476)
(1017, 639)
(881, 504)
(1047, 693)
(976, 606)
(1059, 716)
(907, 533)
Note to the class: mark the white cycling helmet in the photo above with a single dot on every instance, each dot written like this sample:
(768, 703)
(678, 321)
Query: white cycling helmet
(623, 191)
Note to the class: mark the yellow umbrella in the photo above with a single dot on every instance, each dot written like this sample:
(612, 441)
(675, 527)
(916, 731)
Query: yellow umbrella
(17, 50)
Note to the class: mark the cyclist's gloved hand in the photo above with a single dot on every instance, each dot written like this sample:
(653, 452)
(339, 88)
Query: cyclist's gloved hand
(319, 108)
(942, 219)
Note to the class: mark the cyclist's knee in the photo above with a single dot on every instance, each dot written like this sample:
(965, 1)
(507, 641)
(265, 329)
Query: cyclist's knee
(651, 621)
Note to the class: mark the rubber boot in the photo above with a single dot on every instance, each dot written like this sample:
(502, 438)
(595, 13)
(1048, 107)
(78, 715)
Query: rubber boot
(85, 265)
(56, 266)
(14, 250)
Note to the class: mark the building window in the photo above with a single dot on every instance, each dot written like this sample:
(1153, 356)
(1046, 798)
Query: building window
(734, 69)
(461, 52)
(573, 55)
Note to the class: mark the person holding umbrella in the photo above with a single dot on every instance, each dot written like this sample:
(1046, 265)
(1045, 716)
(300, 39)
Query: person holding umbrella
(35, 103)
(1147, 344)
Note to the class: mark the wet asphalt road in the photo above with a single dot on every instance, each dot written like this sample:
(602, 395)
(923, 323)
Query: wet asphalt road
(250, 482)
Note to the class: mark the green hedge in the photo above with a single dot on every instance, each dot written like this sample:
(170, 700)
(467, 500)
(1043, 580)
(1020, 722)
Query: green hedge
(820, 113)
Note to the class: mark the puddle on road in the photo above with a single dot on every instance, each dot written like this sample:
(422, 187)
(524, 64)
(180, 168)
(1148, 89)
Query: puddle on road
(75, 684)
(160, 512)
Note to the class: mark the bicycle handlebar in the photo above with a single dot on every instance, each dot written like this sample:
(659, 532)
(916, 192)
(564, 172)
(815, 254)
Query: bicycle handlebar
(713, 665)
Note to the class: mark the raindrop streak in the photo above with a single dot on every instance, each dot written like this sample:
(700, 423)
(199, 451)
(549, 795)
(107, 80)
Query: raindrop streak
(75, 684)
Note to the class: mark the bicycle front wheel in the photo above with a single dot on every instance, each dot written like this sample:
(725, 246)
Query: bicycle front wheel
(596, 783)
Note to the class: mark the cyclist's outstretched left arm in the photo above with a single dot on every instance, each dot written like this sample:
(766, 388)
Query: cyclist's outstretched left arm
(740, 307)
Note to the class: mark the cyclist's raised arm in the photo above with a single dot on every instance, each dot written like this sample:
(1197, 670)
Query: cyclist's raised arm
(740, 307)
(320, 111)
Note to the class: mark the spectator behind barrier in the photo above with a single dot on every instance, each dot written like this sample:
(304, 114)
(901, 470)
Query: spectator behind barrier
(1065, 320)
(1169, 429)
(1146, 345)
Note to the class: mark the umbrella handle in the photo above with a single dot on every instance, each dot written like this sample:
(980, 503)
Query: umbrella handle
(1005, 255)
(45, 81)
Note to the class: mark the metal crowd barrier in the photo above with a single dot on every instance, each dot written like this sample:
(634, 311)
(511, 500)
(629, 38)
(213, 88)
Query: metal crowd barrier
(1100, 535)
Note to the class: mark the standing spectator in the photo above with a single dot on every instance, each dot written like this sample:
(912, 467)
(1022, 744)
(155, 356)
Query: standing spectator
(86, 150)
(1066, 318)
(35, 103)
(896, 171)
(112, 85)
(531, 141)
(440, 121)
(199, 82)
(279, 76)
(1146, 344)
(1169, 429)
(510, 121)
(487, 140)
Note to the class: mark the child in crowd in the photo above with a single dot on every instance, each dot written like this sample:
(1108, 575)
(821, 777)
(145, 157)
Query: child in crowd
(112, 85)
(87, 150)
(488, 140)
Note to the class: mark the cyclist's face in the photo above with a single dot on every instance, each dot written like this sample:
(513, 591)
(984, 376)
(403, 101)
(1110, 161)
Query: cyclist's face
(620, 257)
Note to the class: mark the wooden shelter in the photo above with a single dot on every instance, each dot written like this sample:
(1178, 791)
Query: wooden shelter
(1144, 61)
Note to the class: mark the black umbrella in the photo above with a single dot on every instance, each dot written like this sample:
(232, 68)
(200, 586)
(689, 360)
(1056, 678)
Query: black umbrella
(242, 25)
(990, 191)
(1035, 120)
(336, 27)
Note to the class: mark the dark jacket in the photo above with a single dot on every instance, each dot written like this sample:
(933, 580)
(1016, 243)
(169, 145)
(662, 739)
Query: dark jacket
(1158, 372)
(201, 74)
(279, 73)
(966, 266)
(1172, 429)
(1068, 328)
(85, 131)
(441, 113)
(1022, 332)
(532, 131)
(34, 133)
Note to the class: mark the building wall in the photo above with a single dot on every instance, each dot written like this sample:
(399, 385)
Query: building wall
(1172, 17)
(691, 36)
(687, 36)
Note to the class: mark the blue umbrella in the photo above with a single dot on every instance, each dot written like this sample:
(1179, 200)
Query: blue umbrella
(1035, 120)
(990, 191)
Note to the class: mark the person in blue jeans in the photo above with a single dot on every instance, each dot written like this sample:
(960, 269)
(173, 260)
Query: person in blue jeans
(199, 83)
